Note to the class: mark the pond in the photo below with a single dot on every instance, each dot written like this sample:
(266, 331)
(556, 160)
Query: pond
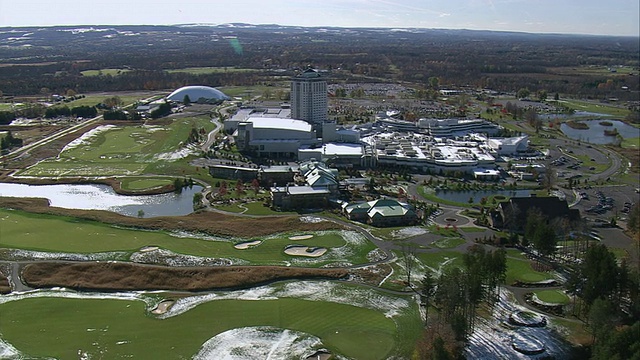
(462, 196)
(102, 197)
(595, 133)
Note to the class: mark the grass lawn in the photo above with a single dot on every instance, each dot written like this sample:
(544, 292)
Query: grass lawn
(587, 163)
(252, 208)
(257, 208)
(126, 151)
(144, 183)
(631, 143)
(436, 259)
(210, 70)
(6, 106)
(248, 92)
(595, 107)
(60, 327)
(521, 270)
(48, 233)
(552, 296)
(443, 231)
(449, 242)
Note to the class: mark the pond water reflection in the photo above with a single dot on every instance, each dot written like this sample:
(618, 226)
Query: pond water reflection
(102, 197)
(595, 133)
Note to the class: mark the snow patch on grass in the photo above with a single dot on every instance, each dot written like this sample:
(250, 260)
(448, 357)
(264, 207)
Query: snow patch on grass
(259, 343)
(307, 290)
(311, 219)
(176, 155)
(18, 254)
(7, 351)
(87, 137)
(408, 232)
(169, 258)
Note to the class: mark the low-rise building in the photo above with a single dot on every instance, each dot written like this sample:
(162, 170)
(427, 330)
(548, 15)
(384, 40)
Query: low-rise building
(512, 214)
(381, 212)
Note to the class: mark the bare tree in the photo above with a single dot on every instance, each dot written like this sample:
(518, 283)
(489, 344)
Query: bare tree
(550, 177)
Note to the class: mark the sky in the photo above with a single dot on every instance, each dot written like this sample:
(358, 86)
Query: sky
(594, 17)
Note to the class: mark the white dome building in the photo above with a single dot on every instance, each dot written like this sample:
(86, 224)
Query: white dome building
(201, 94)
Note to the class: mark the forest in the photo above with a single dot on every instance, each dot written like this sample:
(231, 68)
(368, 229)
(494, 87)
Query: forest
(54, 58)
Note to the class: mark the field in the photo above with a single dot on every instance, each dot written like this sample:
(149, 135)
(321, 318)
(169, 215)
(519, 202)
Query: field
(122, 150)
(210, 70)
(92, 100)
(351, 324)
(578, 105)
(249, 92)
(105, 72)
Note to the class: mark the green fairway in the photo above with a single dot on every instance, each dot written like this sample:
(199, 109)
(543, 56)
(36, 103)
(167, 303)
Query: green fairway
(552, 296)
(48, 233)
(146, 183)
(63, 327)
(252, 208)
(521, 270)
(125, 150)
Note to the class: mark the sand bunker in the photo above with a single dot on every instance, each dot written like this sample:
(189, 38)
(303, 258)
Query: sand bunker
(300, 237)
(526, 343)
(247, 244)
(163, 307)
(149, 249)
(297, 250)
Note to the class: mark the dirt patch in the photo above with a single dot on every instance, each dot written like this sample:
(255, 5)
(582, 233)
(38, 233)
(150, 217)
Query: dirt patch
(124, 276)
(5, 287)
(204, 221)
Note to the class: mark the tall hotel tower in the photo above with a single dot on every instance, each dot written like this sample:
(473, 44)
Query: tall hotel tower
(309, 99)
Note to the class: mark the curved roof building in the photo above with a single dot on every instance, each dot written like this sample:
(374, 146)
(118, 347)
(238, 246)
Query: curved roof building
(198, 94)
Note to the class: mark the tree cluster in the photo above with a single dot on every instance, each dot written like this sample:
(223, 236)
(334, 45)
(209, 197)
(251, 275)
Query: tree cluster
(9, 141)
(608, 294)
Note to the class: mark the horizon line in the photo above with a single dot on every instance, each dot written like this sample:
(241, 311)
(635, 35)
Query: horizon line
(197, 24)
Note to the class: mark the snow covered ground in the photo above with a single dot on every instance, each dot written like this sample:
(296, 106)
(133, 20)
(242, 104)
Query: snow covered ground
(251, 343)
(493, 338)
